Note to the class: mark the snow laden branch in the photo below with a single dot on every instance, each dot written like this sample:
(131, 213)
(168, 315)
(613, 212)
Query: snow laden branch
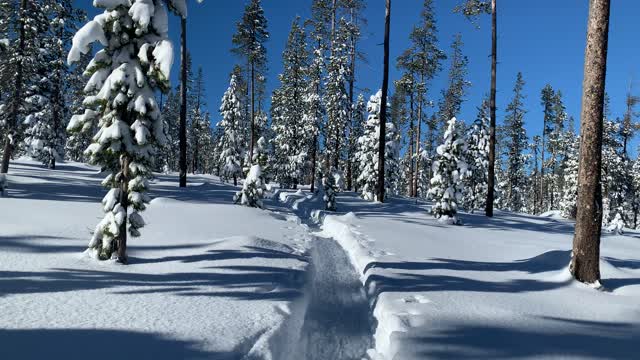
(133, 64)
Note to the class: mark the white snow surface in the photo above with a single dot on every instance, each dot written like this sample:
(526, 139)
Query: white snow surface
(493, 288)
(201, 284)
(212, 280)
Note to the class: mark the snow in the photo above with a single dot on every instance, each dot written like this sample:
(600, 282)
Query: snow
(493, 288)
(209, 279)
(200, 284)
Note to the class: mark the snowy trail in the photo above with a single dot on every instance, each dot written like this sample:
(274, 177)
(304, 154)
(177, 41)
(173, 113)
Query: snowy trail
(337, 324)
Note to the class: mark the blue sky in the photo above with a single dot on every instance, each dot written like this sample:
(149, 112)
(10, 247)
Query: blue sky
(544, 39)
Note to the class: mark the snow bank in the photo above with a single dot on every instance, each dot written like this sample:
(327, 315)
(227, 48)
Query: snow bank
(200, 284)
(493, 288)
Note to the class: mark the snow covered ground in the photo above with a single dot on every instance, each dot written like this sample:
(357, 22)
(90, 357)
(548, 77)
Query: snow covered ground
(494, 288)
(213, 280)
(207, 279)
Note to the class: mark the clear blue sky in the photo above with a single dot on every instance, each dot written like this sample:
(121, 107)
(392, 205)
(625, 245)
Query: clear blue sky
(545, 39)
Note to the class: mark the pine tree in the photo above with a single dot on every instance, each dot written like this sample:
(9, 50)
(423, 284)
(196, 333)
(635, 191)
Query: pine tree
(249, 41)
(367, 154)
(568, 204)
(313, 113)
(471, 9)
(423, 59)
(291, 152)
(127, 73)
(336, 97)
(516, 144)
(253, 188)
(453, 96)
(449, 172)
(231, 149)
(45, 136)
(27, 21)
(477, 157)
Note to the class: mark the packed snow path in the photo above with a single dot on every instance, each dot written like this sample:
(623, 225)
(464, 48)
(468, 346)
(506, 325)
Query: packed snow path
(337, 324)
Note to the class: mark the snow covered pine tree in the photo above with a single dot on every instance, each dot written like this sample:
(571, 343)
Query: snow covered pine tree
(135, 62)
(231, 149)
(367, 155)
(449, 171)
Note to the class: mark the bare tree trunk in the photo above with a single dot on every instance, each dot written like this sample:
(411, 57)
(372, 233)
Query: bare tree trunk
(124, 202)
(183, 105)
(491, 177)
(352, 80)
(314, 163)
(542, 169)
(253, 112)
(383, 104)
(418, 138)
(411, 133)
(17, 95)
(585, 263)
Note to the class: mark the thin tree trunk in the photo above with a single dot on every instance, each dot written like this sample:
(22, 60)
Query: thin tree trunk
(491, 177)
(585, 264)
(383, 104)
(124, 202)
(183, 105)
(411, 142)
(314, 162)
(253, 112)
(418, 138)
(352, 79)
(17, 96)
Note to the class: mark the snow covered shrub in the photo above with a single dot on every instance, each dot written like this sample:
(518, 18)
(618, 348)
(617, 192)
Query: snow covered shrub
(253, 189)
(616, 225)
(332, 185)
(134, 64)
(449, 171)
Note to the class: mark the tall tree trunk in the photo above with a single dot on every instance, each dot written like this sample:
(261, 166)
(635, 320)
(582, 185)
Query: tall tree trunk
(314, 162)
(585, 264)
(418, 138)
(17, 95)
(124, 202)
(411, 142)
(491, 177)
(544, 126)
(352, 80)
(253, 112)
(183, 105)
(383, 104)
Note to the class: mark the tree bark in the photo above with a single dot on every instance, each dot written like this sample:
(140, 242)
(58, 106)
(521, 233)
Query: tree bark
(253, 112)
(585, 263)
(491, 176)
(383, 104)
(411, 133)
(17, 96)
(183, 105)
(418, 137)
(124, 202)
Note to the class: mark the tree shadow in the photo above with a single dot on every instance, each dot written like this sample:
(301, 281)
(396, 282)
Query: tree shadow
(35, 244)
(245, 283)
(550, 261)
(98, 345)
(246, 252)
(560, 338)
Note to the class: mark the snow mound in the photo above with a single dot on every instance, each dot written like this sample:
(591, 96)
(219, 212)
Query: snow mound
(552, 214)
